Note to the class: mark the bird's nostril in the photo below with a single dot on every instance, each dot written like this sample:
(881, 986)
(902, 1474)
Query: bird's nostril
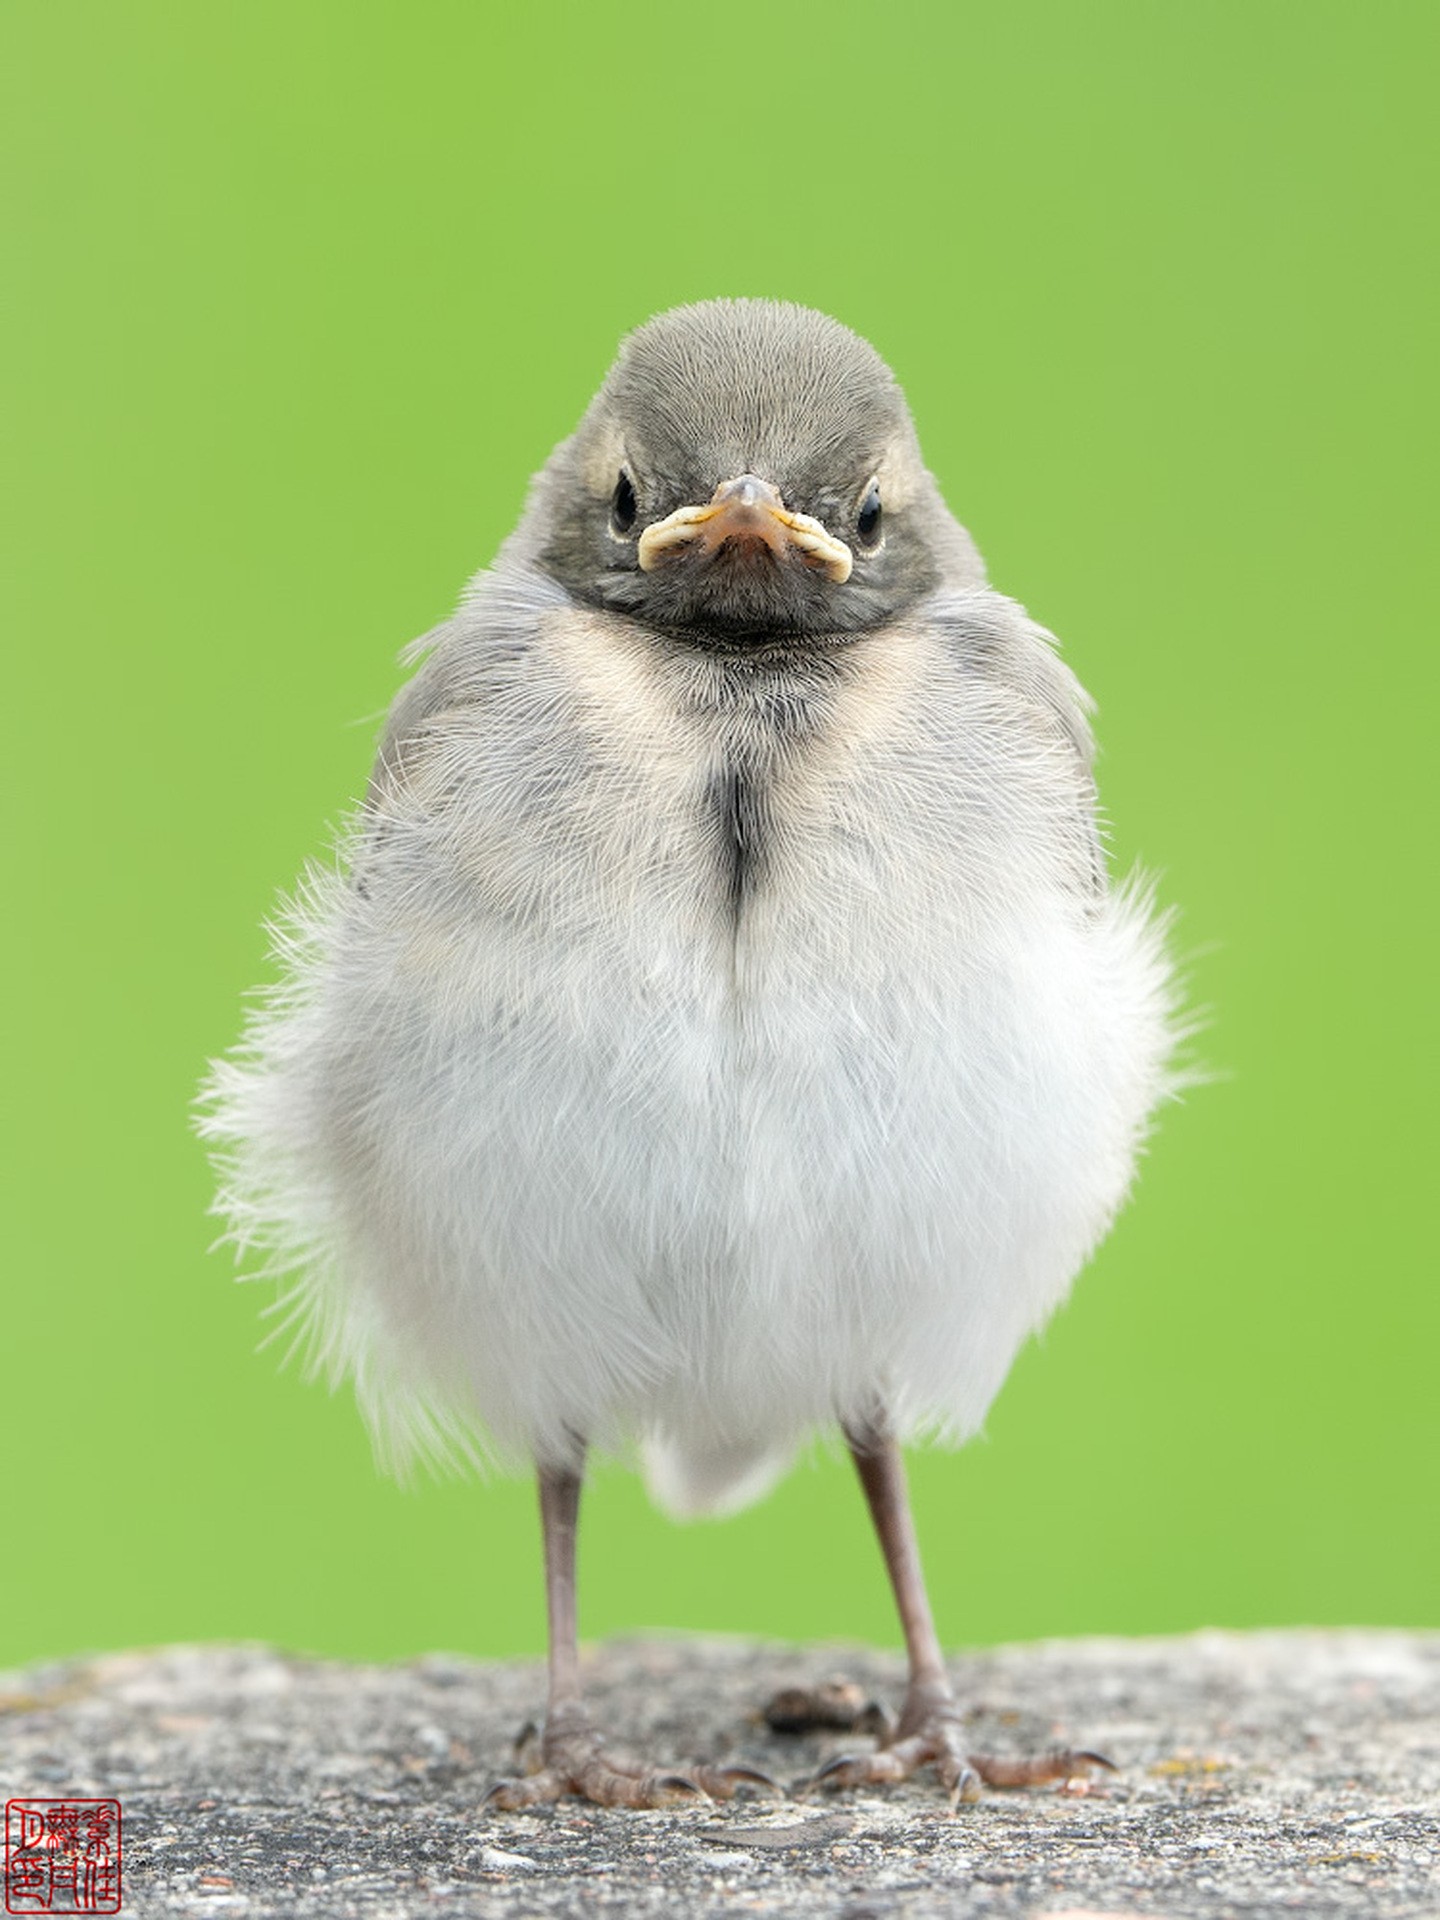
(746, 490)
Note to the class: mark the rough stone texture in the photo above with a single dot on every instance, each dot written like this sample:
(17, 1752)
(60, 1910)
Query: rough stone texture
(1258, 1774)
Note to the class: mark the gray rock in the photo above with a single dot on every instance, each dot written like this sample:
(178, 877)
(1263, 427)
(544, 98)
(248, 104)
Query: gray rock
(1264, 1773)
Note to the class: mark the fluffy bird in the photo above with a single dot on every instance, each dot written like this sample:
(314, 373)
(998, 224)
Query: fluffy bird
(720, 1026)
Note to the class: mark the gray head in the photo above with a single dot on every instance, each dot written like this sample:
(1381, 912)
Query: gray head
(747, 472)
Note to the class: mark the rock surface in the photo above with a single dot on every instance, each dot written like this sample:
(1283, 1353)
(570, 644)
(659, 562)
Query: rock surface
(1259, 1774)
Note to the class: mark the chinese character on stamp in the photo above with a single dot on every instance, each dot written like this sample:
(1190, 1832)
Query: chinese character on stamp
(62, 1856)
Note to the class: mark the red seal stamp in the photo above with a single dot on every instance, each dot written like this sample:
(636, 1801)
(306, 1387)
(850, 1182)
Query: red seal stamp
(62, 1856)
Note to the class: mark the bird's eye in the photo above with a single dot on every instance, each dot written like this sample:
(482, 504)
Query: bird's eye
(867, 520)
(622, 504)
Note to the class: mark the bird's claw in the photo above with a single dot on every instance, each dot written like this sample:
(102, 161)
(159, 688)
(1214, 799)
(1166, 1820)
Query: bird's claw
(726, 1783)
(572, 1760)
(964, 1788)
(897, 1760)
(836, 1704)
(604, 1783)
(933, 1736)
(855, 1770)
(1060, 1763)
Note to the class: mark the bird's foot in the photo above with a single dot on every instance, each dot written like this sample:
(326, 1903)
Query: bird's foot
(930, 1732)
(569, 1758)
(834, 1705)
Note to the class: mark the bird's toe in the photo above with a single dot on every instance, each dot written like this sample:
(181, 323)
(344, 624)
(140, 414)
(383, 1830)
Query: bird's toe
(569, 1759)
(932, 1735)
(726, 1783)
(1036, 1770)
(835, 1704)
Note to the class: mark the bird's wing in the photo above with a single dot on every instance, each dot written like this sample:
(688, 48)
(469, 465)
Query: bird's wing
(447, 679)
(463, 660)
(995, 641)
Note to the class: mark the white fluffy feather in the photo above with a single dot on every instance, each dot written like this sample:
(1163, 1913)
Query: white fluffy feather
(551, 1145)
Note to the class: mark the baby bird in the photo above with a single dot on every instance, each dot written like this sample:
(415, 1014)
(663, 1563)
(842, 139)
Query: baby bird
(723, 1027)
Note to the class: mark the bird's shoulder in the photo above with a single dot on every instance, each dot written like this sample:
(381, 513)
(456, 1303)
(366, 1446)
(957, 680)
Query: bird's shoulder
(992, 644)
(1019, 699)
(462, 663)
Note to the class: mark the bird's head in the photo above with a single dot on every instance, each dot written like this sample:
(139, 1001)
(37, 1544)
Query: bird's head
(748, 473)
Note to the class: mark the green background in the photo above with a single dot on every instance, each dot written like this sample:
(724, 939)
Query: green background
(301, 295)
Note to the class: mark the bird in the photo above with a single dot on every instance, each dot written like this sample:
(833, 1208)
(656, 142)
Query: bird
(718, 1026)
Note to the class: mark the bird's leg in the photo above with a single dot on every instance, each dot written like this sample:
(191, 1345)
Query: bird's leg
(930, 1730)
(568, 1755)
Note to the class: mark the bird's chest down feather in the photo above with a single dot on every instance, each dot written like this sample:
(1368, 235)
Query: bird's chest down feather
(704, 1087)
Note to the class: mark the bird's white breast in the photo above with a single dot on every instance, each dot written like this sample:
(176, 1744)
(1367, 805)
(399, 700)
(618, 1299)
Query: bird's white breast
(599, 1124)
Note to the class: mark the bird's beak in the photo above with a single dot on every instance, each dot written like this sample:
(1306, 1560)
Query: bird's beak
(748, 511)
